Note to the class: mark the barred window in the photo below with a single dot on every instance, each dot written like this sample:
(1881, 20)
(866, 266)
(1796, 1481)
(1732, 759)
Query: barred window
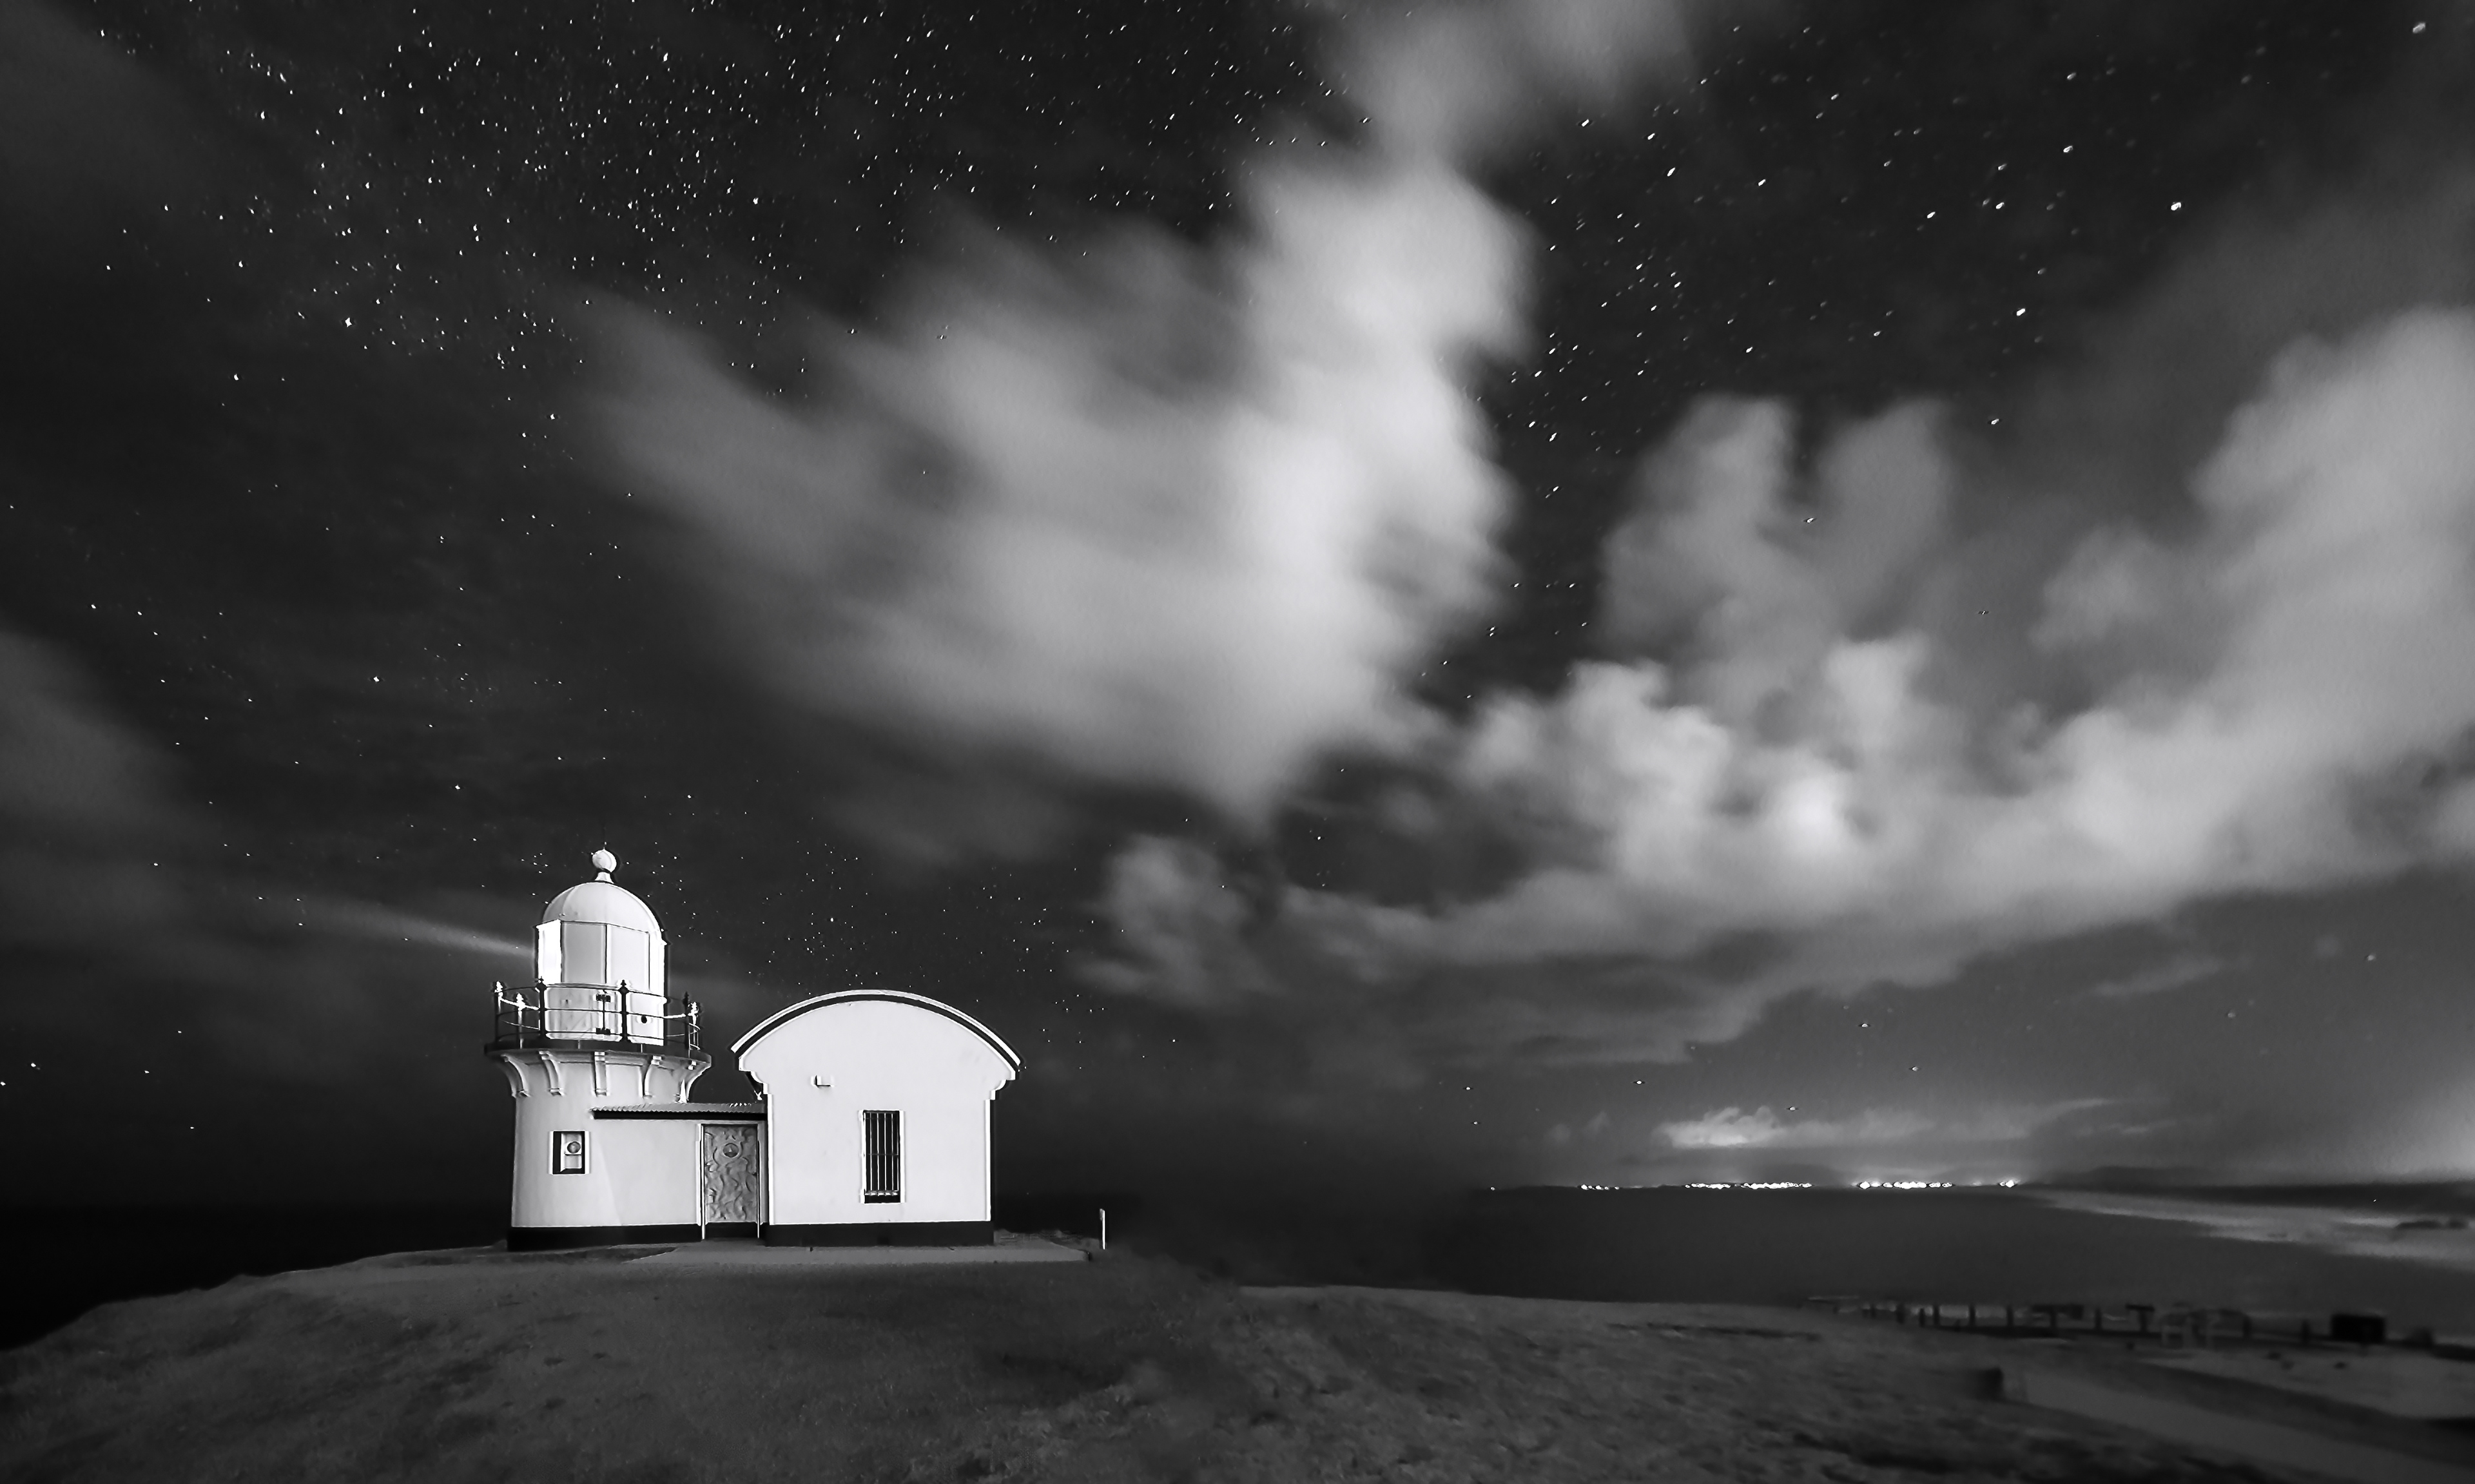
(567, 1151)
(883, 1141)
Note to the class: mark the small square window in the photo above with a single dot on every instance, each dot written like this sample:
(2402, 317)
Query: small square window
(567, 1151)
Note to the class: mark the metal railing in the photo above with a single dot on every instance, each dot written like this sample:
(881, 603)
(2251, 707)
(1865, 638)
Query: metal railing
(616, 1017)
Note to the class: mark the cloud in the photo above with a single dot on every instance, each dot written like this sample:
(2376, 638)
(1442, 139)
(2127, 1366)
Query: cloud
(143, 959)
(85, 811)
(1131, 511)
(2174, 973)
(1158, 517)
(1753, 578)
(2274, 693)
(1454, 78)
(1180, 926)
(1563, 1135)
(1734, 1127)
(88, 136)
(2280, 697)
(1136, 513)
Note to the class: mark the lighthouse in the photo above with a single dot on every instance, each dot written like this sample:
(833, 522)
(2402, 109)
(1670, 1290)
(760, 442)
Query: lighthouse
(592, 1045)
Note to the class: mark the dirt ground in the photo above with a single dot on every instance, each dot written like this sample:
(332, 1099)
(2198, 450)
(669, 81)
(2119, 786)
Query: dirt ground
(485, 1366)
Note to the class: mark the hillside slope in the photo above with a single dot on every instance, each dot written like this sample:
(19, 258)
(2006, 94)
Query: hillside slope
(480, 1366)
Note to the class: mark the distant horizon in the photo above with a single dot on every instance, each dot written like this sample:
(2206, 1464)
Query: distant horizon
(2124, 1181)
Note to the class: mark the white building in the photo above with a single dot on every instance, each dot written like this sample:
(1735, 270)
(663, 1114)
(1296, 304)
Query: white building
(871, 1124)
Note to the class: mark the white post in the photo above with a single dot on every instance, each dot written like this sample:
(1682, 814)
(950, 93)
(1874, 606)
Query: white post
(1104, 1229)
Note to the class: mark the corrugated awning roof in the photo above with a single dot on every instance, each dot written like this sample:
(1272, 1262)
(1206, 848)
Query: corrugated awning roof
(680, 1110)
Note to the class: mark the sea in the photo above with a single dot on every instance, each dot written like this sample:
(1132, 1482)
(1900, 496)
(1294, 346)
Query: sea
(2402, 1252)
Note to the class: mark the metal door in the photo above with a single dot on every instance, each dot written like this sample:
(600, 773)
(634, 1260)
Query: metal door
(729, 1184)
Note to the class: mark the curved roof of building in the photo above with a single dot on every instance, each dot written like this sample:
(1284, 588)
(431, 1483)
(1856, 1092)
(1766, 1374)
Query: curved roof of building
(767, 1025)
(601, 901)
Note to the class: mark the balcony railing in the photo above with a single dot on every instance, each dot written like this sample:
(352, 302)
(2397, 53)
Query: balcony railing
(562, 1014)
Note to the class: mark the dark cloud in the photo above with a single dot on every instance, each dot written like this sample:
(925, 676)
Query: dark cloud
(197, 1004)
(85, 807)
(150, 983)
(89, 139)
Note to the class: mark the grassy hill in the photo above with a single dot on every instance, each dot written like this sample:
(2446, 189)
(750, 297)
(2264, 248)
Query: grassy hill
(485, 1366)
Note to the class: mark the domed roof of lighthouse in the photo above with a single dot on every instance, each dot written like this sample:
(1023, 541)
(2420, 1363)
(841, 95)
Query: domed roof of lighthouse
(602, 900)
(597, 934)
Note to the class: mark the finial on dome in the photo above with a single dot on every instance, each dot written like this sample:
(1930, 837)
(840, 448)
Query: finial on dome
(605, 862)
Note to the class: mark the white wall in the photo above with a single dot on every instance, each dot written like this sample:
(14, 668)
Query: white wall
(874, 1054)
(637, 1171)
(651, 1164)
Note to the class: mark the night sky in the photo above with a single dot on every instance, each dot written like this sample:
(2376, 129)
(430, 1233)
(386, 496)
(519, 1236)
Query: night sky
(1562, 591)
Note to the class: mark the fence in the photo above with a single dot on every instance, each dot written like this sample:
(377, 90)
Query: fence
(2177, 1324)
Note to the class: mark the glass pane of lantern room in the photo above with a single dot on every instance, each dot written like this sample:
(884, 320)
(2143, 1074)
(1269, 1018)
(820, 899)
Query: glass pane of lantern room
(629, 957)
(545, 960)
(584, 956)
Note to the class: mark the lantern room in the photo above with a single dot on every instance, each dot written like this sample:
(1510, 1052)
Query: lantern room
(597, 956)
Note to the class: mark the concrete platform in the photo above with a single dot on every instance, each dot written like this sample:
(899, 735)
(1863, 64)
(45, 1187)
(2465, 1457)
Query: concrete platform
(756, 1254)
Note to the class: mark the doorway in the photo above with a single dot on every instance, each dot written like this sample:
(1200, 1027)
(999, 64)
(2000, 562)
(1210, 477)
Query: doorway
(732, 1199)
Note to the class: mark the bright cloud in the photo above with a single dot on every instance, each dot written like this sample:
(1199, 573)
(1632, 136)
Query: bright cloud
(1734, 1127)
(1769, 782)
(1730, 1128)
(1137, 512)
(2276, 700)
(1774, 783)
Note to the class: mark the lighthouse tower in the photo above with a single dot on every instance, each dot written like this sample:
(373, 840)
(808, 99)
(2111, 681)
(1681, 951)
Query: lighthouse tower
(594, 1041)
